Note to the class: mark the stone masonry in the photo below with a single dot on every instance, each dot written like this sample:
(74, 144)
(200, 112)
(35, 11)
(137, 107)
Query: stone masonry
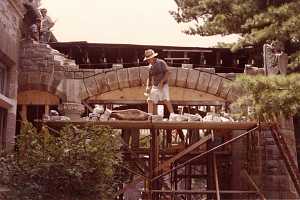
(10, 22)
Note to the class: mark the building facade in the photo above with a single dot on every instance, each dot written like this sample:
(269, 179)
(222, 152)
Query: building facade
(10, 25)
(70, 77)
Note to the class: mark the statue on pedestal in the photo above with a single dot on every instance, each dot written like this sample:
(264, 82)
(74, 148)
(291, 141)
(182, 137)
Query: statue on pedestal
(275, 59)
(31, 21)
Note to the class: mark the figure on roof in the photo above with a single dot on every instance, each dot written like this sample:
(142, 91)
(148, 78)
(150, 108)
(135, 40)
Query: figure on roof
(47, 24)
(31, 21)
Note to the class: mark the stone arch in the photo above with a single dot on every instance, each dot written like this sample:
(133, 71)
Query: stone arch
(121, 79)
(42, 81)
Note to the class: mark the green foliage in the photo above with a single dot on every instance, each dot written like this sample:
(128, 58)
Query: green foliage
(75, 163)
(265, 98)
(256, 21)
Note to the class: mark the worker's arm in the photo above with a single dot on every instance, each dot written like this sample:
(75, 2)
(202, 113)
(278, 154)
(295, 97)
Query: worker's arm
(149, 83)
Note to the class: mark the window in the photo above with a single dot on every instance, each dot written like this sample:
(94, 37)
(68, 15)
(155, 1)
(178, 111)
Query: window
(3, 78)
(3, 115)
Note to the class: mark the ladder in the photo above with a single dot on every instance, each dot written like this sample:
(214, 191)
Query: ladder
(287, 157)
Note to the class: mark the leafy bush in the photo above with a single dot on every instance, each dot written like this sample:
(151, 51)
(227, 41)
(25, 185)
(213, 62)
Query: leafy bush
(266, 98)
(73, 164)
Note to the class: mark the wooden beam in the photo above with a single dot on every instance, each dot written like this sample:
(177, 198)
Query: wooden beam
(216, 177)
(147, 124)
(205, 192)
(251, 181)
(175, 102)
(186, 151)
(87, 106)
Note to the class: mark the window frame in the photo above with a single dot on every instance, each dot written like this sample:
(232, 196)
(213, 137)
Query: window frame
(3, 121)
(3, 78)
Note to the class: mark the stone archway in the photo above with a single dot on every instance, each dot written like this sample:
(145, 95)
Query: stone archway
(42, 81)
(128, 84)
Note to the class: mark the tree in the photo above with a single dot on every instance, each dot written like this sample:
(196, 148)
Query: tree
(267, 98)
(73, 164)
(257, 21)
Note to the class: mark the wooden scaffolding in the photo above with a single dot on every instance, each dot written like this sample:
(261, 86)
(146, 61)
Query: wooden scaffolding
(197, 167)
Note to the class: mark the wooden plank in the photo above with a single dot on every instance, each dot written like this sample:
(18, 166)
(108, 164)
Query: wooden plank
(185, 151)
(174, 102)
(204, 125)
(206, 192)
(251, 181)
(189, 50)
(119, 124)
(87, 106)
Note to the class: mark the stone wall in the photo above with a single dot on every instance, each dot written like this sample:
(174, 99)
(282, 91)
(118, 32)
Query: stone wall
(10, 22)
(10, 18)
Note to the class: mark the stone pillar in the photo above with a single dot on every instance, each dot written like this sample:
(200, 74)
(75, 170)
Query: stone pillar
(72, 106)
(72, 110)
(276, 181)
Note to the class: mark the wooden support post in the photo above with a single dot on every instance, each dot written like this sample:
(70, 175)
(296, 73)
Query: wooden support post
(47, 109)
(216, 176)
(24, 113)
(154, 162)
(188, 180)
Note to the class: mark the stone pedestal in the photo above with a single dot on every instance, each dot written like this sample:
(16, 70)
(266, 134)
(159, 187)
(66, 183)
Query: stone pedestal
(72, 110)
(276, 181)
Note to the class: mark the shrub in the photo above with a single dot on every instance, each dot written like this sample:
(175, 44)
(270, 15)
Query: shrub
(72, 164)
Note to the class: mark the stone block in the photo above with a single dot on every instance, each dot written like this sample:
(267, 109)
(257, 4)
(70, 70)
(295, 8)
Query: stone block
(214, 84)
(78, 75)
(102, 83)
(203, 81)
(144, 74)
(69, 75)
(97, 71)
(181, 79)
(272, 152)
(46, 78)
(272, 194)
(122, 75)
(285, 183)
(59, 75)
(83, 91)
(88, 74)
(72, 90)
(91, 85)
(231, 96)
(112, 80)
(192, 79)
(22, 78)
(271, 182)
(224, 88)
(134, 76)
(271, 167)
(173, 76)
(34, 78)
(269, 141)
(187, 66)
(208, 70)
